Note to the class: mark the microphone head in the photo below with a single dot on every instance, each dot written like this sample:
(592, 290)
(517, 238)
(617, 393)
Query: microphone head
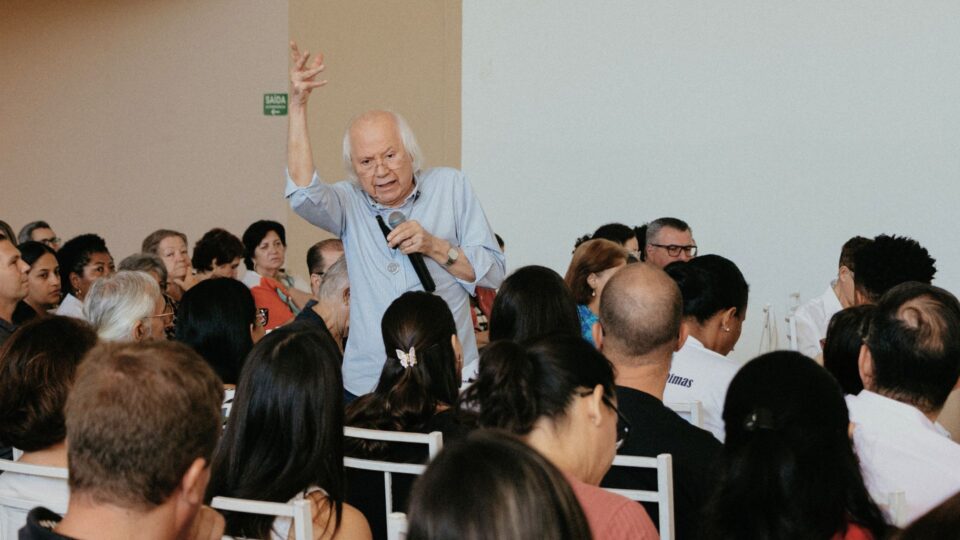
(395, 218)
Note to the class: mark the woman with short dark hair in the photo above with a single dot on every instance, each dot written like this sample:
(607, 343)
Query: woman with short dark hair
(217, 254)
(83, 259)
(788, 469)
(265, 251)
(841, 347)
(284, 438)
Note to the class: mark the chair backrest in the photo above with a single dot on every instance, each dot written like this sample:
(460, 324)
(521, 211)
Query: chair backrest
(691, 411)
(13, 510)
(894, 505)
(397, 526)
(792, 343)
(663, 496)
(298, 511)
(433, 441)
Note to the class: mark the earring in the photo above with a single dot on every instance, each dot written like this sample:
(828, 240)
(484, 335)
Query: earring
(78, 294)
(593, 293)
(726, 329)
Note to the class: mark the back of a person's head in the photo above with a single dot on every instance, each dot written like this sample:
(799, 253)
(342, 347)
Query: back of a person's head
(533, 301)
(216, 246)
(615, 232)
(316, 263)
(591, 257)
(138, 416)
(709, 284)
(420, 371)
(640, 311)
(849, 251)
(145, 262)
(37, 367)
(518, 384)
(285, 430)
(75, 253)
(788, 469)
(115, 304)
(888, 261)
(841, 348)
(514, 492)
(914, 343)
(335, 286)
(215, 319)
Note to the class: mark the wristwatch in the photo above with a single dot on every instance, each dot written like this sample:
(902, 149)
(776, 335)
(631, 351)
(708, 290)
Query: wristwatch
(452, 255)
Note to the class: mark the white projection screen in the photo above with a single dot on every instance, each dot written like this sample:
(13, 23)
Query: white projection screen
(776, 129)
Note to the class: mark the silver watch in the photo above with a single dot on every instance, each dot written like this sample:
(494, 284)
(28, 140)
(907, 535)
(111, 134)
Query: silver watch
(452, 255)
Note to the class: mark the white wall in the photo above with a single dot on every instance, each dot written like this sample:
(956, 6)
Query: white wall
(778, 130)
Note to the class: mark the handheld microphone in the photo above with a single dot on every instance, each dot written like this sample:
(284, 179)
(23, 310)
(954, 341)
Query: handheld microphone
(416, 259)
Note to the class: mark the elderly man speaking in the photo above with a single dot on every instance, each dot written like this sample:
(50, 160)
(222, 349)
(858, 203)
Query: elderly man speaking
(441, 220)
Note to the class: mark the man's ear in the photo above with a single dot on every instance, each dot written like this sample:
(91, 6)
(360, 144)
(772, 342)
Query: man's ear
(139, 331)
(346, 296)
(865, 365)
(315, 283)
(682, 336)
(193, 484)
(597, 332)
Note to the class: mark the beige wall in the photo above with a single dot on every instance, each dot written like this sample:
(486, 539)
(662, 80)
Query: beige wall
(120, 117)
(403, 56)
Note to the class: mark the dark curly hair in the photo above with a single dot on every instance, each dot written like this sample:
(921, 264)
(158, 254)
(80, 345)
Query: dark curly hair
(889, 261)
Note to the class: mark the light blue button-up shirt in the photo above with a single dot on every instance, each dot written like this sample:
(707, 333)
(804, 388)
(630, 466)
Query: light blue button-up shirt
(445, 205)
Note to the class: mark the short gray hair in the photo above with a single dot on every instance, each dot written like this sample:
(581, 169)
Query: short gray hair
(115, 304)
(145, 262)
(409, 140)
(27, 230)
(335, 281)
(655, 226)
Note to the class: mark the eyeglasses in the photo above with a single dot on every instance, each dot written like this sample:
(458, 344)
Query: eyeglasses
(623, 425)
(168, 317)
(674, 250)
(263, 316)
(391, 161)
(50, 241)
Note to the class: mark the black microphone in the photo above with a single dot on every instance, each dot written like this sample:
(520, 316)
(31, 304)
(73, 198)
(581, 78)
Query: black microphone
(416, 259)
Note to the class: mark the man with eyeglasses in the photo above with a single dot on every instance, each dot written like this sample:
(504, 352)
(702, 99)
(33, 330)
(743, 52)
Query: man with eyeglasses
(668, 240)
(434, 216)
(39, 231)
(639, 330)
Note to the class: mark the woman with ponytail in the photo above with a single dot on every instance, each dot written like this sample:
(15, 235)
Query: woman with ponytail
(788, 468)
(419, 383)
(557, 394)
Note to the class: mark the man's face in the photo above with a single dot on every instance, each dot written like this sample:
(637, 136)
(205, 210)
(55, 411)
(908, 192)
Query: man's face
(46, 236)
(671, 240)
(845, 288)
(382, 165)
(14, 284)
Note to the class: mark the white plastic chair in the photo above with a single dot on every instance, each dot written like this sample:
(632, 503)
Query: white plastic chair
(894, 505)
(299, 511)
(691, 411)
(663, 496)
(13, 511)
(397, 526)
(433, 441)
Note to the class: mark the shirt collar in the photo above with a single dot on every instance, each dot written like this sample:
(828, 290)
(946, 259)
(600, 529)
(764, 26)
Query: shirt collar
(892, 410)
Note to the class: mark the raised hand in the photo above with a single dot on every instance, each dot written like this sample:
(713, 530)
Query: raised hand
(303, 75)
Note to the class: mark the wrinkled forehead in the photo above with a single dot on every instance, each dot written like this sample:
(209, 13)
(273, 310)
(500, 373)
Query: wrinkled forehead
(669, 235)
(374, 135)
(42, 232)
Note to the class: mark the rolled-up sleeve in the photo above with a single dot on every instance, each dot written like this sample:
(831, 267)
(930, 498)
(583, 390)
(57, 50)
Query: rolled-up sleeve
(478, 242)
(318, 202)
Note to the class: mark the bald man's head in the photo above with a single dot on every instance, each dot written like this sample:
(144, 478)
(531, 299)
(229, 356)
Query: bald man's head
(640, 311)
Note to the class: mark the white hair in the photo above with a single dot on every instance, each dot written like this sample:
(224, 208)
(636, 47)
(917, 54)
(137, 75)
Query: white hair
(409, 140)
(115, 304)
(335, 281)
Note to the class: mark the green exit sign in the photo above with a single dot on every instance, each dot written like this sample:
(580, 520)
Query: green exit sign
(275, 104)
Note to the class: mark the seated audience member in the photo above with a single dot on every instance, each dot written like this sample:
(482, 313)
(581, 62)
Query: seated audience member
(812, 318)
(152, 265)
(127, 306)
(171, 247)
(841, 349)
(532, 302)
(667, 240)
(284, 438)
(43, 293)
(331, 310)
(617, 233)
(36, 370)
(142, 422)
(714, 307)
(14, 286)
(513, 493)
(217, 318)
(909, 363)
(640, 329)
(557, 393)
(265, 248)
(217, 254)
(7, 232)
(788, 469)
(320, 257)
(39, 231)
(83, 260)
(419, 383)
(594, 262)
(888, 261)
(941, 522)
